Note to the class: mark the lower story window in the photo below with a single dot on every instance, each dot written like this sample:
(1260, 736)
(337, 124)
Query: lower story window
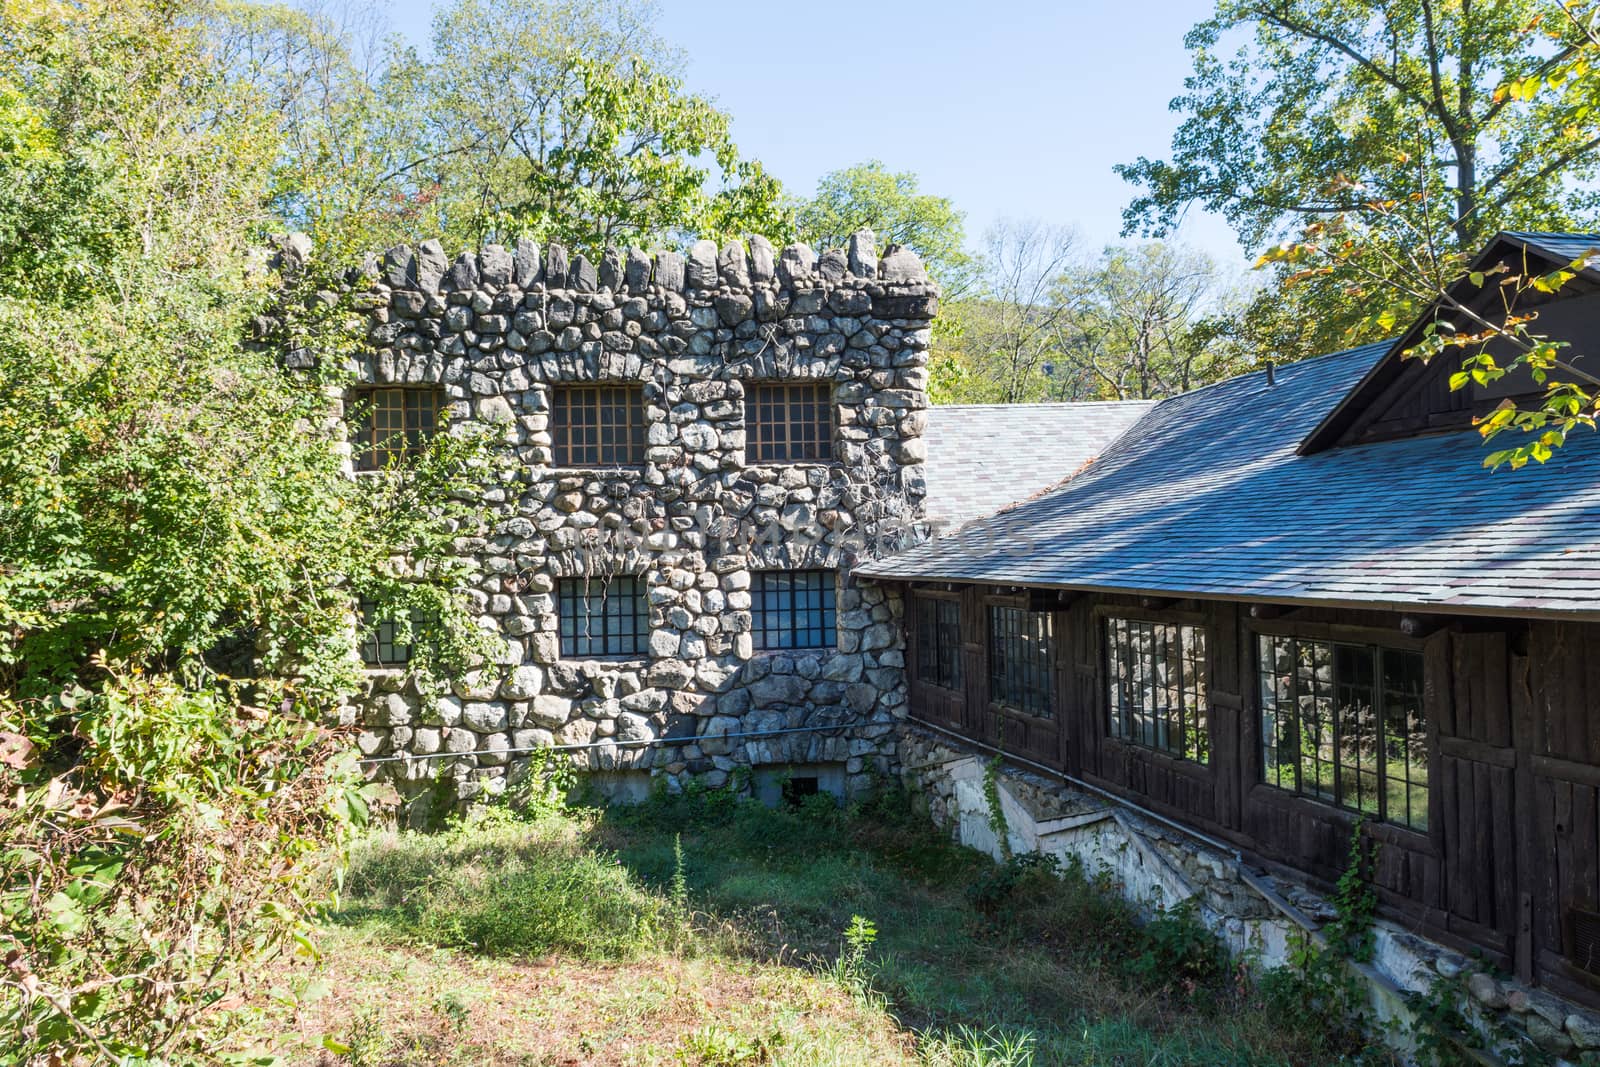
(1156, 686)
(1344, 724)
(602, 616)
(793, 609)
(1019, 660)
(938, 623)
(384, 640)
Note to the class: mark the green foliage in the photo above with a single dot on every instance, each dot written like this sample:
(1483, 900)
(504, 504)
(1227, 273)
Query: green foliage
(994, 1046)
(1179, 952)
(1046, 323)
(1050, 974)
(1318, 992)
(558, 120)
(997, 812)
(180, 546)
(1024, 876)
(1299, 110)
(1355, 900)
(1383, 151)
(502, 885)
(1318, 997)
(891, 205)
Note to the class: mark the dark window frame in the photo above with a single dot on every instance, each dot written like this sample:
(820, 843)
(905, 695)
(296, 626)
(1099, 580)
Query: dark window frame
(612, 441)
(1022, 683)
(1288, 775)
(379, 646)
(789, 422)
(1184, 735)
(938, 641)
(795, 609)
(387, 432)
(623, 617)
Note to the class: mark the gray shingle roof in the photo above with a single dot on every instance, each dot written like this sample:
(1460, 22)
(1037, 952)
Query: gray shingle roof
(1207, 497)
(983, 457)
(1561, 247)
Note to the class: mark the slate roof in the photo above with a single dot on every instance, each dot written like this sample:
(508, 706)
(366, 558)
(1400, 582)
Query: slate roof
(1561, 247)
(1206, 497)
(984, 457)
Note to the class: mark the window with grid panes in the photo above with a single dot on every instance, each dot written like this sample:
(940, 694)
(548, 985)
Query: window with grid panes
(597, 425)
(788, 422)
(392, 424)
(1344, 724)
(792, 609)
(602, 616)
(938, 623)
(1156, 686)
(381, 644)
(1019, 660)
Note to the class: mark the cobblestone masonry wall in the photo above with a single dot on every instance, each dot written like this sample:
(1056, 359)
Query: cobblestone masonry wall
(495, 332)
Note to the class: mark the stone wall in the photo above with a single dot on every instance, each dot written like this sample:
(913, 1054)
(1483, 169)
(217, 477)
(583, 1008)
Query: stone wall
(495, 332)
(1257, 915)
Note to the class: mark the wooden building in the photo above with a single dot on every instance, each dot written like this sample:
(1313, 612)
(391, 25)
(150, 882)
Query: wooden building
(1295, 599)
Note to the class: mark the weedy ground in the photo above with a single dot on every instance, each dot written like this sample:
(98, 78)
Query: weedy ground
(705, 932)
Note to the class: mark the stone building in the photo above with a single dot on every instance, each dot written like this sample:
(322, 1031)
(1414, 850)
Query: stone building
(693, 451)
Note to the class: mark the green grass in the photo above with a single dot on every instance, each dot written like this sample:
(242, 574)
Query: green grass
(746, 960)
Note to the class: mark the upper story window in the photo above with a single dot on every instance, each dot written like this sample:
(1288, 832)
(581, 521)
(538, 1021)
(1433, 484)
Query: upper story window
(793, 609)
(788, 422)
(938, 633)
(602, 616)
(1156, 686)
(1020, 655)
(597, 425)
(393, 424)
(1344, 723)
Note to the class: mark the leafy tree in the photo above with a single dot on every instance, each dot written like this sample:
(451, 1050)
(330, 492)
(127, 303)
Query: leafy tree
(890, 204)
(1326, 106)
(556, 119)
(567, 121)
(179, 547)
(1390, 243)
(1148, 321)
(1046, 323)
(348, 170)
(1012, 327)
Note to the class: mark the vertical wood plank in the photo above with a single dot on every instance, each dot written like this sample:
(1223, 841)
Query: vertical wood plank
(1565, 883)
(1448, 816)
(1525, 819)
(1585, 885)
(1438, 694)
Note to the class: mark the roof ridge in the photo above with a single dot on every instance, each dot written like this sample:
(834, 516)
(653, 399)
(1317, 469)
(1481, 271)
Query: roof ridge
(1280, 368)
(1038, 404)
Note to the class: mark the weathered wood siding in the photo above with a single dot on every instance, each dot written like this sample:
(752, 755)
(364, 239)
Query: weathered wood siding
(1512, 845)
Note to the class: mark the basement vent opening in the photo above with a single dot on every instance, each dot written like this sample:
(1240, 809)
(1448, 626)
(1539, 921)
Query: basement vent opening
(796, 790)
(1583, 940)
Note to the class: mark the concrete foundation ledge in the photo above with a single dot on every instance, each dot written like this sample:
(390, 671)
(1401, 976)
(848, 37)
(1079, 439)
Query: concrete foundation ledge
(1257, 916)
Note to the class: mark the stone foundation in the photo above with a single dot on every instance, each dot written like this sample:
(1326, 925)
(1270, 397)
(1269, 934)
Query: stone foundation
(1257, 916)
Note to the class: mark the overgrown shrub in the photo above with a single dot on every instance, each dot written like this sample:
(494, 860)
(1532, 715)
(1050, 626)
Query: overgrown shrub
(179, 544)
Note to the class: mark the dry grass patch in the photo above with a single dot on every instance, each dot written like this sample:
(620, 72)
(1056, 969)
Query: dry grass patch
(402, 1006)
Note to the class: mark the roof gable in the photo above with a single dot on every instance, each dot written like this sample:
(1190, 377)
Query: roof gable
(1402, 397)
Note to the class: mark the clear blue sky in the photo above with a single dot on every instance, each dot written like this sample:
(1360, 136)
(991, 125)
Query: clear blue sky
(1011, 109)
